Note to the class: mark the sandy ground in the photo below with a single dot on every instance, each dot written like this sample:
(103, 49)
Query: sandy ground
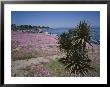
(19, 66)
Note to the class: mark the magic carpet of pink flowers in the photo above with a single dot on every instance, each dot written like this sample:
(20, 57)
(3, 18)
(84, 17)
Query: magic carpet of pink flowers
(35, 44)
(33, 39)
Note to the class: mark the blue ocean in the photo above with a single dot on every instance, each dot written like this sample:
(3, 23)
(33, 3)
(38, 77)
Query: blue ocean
(95, 33)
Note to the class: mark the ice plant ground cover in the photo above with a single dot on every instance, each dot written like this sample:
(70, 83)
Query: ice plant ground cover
(37, 54)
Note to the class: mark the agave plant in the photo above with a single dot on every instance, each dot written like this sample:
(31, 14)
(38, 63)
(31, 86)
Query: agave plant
(74, 44)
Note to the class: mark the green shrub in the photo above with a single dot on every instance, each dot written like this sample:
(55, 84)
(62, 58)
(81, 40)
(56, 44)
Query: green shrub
(73, 43)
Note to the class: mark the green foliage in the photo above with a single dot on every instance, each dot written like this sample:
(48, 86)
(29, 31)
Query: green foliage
(73, 43)
(56, 68)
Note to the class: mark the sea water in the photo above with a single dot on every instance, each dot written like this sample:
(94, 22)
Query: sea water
(95, 32)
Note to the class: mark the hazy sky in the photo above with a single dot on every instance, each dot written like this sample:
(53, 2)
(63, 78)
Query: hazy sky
(55, 18)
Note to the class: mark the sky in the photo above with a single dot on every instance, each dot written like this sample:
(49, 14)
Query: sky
(55, 19)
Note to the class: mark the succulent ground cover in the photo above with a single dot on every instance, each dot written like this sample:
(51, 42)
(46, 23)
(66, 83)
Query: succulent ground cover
(37, 55)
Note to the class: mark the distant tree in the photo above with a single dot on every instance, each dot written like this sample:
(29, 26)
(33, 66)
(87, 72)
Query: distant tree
(26, 26)
(74, 44)
(43, 26)
(30, 26)
(38, 26)
(13, 27)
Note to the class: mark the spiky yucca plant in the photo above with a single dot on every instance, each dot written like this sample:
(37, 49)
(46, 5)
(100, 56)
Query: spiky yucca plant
(74, 44)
